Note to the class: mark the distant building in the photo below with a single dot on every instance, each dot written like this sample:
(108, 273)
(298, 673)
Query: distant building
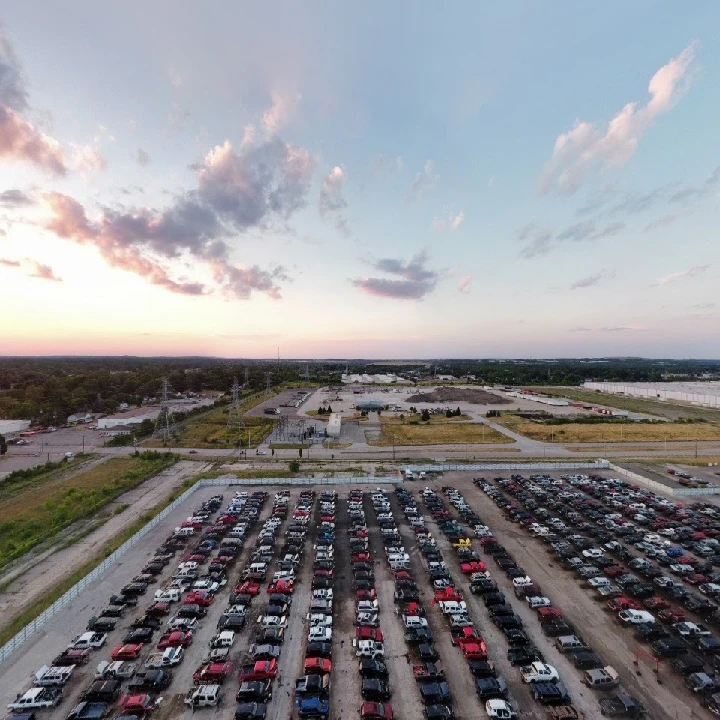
(9, 427)
(446, 378)
(130, 417)
(370, 405)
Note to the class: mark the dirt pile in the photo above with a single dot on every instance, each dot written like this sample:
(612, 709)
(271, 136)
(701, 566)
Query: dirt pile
(474, 396)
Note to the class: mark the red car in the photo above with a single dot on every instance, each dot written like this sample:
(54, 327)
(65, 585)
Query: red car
(448, 593)
(656, 603)
(672, 615)
(368, 633)
(403, 575)
(413, 608)
(158, 608)
(468, 568)
(474, 650)
(463, 635)
(362, 557)
(136, 704)
(126, 652)
(247, 588)
(178, 638)
(261, 670)
(376, 711)
(323, 573)
(363, 594)
(202, 598)
(284, 587)
(361, 533)
(318, 666)
(696, 578)
(614, 570)
(547, 614)
(622, 603)
(213, 673)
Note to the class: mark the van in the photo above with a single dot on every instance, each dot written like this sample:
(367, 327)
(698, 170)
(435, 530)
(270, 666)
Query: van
(203, 696)
(570, 643)
(182, 531)
(602, 678)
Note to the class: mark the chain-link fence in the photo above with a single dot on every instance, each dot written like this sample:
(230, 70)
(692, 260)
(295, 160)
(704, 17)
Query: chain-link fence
(472, 467)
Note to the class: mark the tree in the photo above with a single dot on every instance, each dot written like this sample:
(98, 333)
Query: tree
(449, 413)
(329, 409)
(458, 413)
(3, 445)
(425, 416)
(294, 466)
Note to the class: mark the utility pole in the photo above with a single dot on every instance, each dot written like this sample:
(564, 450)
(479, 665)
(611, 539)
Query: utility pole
(392, 435)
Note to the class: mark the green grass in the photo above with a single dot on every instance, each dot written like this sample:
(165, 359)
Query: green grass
(33, 513)
(40, 605)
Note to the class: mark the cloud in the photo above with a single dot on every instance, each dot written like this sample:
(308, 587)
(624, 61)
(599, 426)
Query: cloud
(452, 222)
(412, 281)
(543, 239)
(283, 110)
(175, 77)
(692, 272)
(87, 158)
(33, 268)
(142, 157)
(331, 200)
(695, 192)
(424, 182)
(464, 283)
(611, 329)
(387, 162)
(43, 272)
(15, 198)
(19, 139)
(661, 222)
(256, 190)
(589, 281)
(585, 147)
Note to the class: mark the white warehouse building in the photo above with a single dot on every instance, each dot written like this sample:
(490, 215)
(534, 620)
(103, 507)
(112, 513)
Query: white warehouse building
(705, 394)
(130, 417)
(333, 427)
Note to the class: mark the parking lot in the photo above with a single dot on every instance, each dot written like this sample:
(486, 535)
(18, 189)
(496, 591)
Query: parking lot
(402, 554)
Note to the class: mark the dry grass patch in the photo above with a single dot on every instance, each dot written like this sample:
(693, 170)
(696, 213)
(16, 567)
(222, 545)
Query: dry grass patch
(439, 434)
(612, 432)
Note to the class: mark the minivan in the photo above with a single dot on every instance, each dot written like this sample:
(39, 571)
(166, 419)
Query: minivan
(601, 678)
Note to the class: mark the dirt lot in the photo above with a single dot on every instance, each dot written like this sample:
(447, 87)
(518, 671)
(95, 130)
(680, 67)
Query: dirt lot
(474, 396)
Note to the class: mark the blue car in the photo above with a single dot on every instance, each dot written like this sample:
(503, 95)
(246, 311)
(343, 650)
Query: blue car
(312, 706)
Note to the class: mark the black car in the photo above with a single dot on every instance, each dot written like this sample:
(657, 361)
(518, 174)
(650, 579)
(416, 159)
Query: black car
(151, 680)
(254, 690)
(650, 632)
(250, 711)
(489, 688)
(415, 636)
(375, 689)
(427, 653)
(556, 628)
(139, 635)
(516, 637)
(500, 611)
(550, 693)
(688, 664)
(318, 649)
(519, 656)
(147, 621)
(438, 712)
(669, 647)
(505, 622)
(494, 598)
(435, 693)
(482, 668)
(586, 660)
(231, 622)
(372, 668)
(105, 691)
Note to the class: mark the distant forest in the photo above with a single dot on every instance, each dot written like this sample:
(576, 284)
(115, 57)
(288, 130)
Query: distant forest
(47, 390)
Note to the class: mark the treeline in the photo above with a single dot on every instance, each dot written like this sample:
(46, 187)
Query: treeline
(48, 390)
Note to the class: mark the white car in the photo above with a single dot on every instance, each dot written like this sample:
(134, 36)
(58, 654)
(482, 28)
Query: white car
(272, 621)
(539, 672)
(500, 709)
(88, 641)
(319, 620)
(320, 634)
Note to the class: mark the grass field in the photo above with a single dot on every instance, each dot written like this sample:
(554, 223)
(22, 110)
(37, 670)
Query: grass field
(439, 434)
(612, 432)
(33, 512)
(211, 431)
(671, 411)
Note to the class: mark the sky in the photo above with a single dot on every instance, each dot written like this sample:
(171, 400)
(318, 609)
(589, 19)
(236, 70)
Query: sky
(380, 180)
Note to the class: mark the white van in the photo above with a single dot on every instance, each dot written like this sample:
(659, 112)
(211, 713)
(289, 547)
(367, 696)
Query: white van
(181, 531)
(167, 595)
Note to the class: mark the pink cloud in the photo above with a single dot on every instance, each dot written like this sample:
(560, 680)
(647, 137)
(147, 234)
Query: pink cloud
(464, 283)
(22, 141)
(585, 146)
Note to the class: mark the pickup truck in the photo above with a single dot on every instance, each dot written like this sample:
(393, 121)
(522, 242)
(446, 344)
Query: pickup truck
(54, 676)
(260, 670)
(428, 672)
(213, 673)
(88, 641)
(89, 711)
(313, 685)
(170, 657)
(118, 670)
(539, 672)
(203, 696)
(36, 699)
(151, 680)
(368, 648)
(312, 706)
(101, 624)
(71, 657)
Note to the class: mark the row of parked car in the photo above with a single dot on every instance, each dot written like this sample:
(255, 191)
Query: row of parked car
(690, 647)
(312, 689)
(598, 676)
(123, 667)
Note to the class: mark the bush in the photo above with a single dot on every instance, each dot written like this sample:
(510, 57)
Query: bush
(294, 466)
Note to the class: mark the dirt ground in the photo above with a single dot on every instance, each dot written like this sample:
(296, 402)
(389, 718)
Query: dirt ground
(459, 394)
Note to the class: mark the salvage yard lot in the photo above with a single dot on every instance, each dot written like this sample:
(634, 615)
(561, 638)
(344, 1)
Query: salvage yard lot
(438, 434)
(611, 431)
(34, 511)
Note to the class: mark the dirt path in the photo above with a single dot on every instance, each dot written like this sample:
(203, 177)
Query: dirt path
(38, 575)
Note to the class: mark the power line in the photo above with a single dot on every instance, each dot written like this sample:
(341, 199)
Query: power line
(164, 425)
(235, 416)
